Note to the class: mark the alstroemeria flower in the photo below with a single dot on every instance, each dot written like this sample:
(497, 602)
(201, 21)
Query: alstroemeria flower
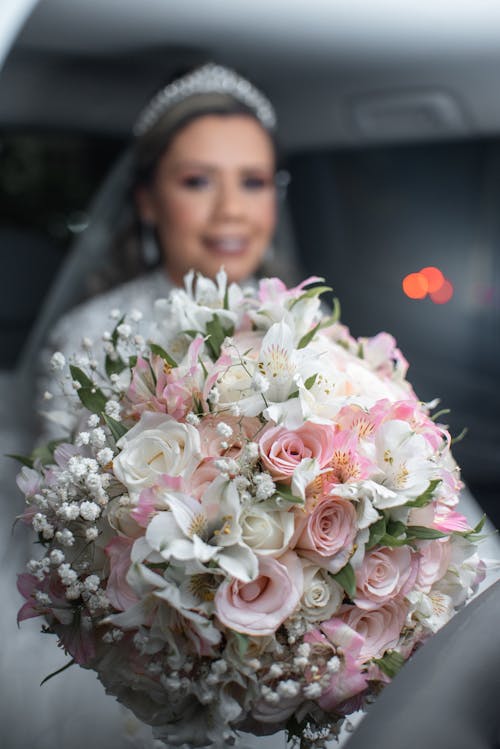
(348, 680)
(206, 531)
(404, 459)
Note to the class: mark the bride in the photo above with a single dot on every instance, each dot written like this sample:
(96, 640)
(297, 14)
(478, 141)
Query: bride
(197, 190)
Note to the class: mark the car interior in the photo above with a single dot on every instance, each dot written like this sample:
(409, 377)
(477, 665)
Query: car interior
(389, 135)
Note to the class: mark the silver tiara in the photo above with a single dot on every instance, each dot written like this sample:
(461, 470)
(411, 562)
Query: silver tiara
(209, 79)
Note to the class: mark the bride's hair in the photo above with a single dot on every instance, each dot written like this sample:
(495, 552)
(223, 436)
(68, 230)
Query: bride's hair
(208, 90)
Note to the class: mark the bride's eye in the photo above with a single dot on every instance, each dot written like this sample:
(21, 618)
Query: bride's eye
(195, 181)
(256, 182)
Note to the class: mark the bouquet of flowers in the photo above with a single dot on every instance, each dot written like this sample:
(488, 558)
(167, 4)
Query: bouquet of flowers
(252, 523)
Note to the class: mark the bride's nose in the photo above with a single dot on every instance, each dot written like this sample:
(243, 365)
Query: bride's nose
(229, 200)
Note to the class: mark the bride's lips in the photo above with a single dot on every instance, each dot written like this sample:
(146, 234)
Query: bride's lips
(226, 245)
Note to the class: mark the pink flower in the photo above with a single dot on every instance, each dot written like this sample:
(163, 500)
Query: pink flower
(56, 605)
(349, 680)
(327, 535)
(202, 477)
(384, 574)
(243, 431)
(262, 605)
(118, 591)
(447, 520)
(29, 481)
(282, 450)
(433, 562)
(346, 464)
(380, 628)
(383, 355)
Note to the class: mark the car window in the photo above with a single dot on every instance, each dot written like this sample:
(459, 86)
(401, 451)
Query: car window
(46, 183)
(366, 218)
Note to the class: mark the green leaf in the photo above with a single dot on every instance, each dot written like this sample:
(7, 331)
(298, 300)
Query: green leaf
(361, 351)
(459, 437)
(116, 428)
(310, 381)
(21, 459)
(347, 579)
(282, 490)
(91, 396)
(393, 541)
(307, 337)
(377, 531)
(396, 528)
(474, 534)
(45, 453)
(310, 294)
(442, 412)
(132, 361)
(390, 663)
(159, 351)
(216, 334)
(426, 497)
(113, 366)
(59, 671)
(421, 532)
(242, 641)
(114, 334)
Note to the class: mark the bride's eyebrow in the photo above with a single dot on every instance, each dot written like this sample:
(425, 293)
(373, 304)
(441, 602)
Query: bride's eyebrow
(212, 168)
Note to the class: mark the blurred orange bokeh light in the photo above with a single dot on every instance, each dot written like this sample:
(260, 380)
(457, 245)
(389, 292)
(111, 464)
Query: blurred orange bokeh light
(415, 285)
(435, 278)
(443, 294)
(430, 280)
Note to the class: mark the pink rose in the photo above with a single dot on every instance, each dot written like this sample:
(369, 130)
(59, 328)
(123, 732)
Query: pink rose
(262, 605)
(282, 450)
(201, 479)
(380, 628)
(433, 562)
(385, 574)
(243, 431)
(327, 535)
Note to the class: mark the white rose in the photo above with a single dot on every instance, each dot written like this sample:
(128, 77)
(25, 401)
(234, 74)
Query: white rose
(155, 446)
(268, 532)
(322, 595)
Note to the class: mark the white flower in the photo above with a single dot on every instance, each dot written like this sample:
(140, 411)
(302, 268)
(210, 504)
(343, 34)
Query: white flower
(57, 361)
(264, 485)
(155, 446)
(113, 409)
(206, 531)
(322, 595)
(89, 511)
(267, 532)
(404, 459)
(68, 576)
(105, 456)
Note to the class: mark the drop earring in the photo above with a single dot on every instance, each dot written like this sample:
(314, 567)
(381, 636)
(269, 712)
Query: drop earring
(149, 245)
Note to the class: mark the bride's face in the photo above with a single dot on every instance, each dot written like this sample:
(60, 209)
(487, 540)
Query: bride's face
(212, 199)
